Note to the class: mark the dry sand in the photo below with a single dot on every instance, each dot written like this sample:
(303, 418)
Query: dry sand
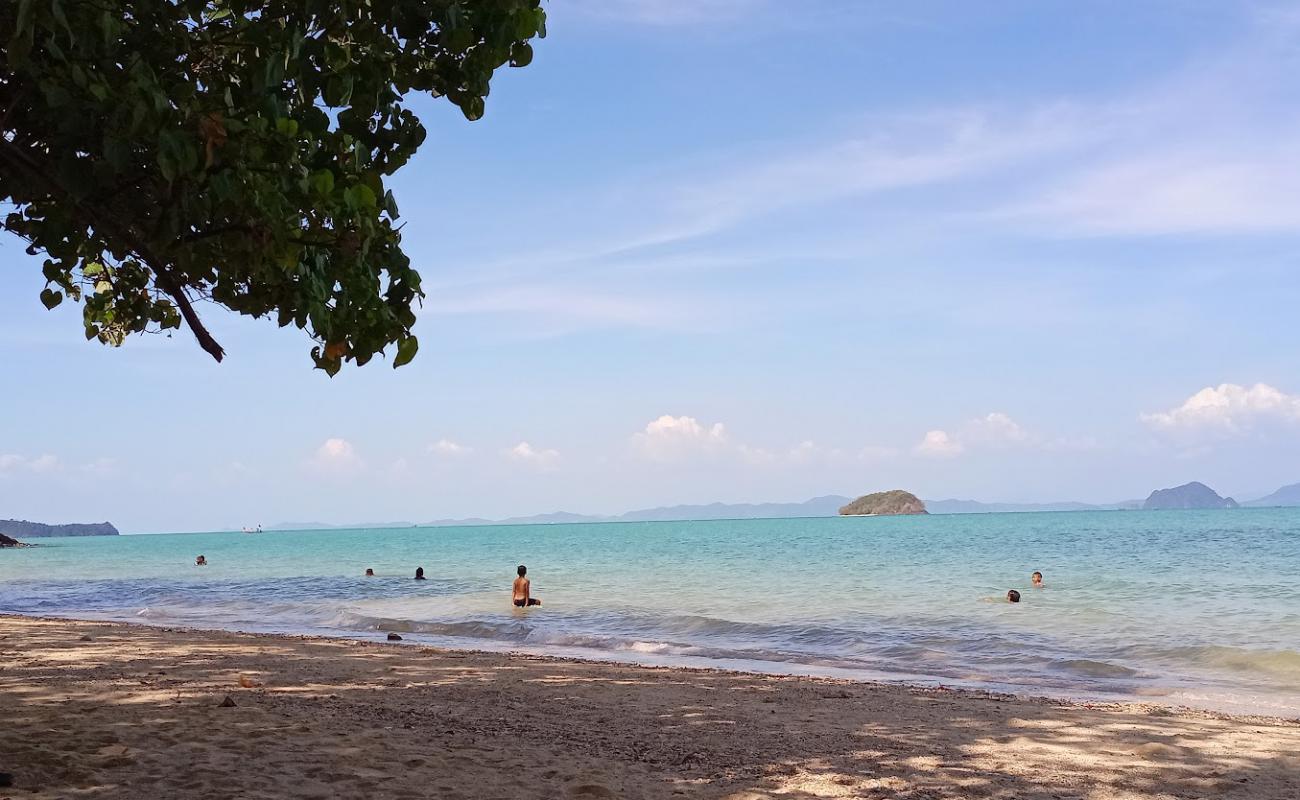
(102, 710)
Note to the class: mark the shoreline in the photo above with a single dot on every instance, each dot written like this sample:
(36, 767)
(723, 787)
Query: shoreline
(128, 710)
(799, 670)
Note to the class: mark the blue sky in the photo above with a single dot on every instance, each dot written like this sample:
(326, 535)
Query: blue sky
(744, 250)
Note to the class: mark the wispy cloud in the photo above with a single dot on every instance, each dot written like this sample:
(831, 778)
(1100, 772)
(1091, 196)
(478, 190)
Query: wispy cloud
(12, 462)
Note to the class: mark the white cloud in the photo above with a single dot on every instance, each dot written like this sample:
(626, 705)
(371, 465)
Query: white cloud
(997, 428)
(1180, 193)
(12, 462)
(669, 438)
(805, 451)
(336, 455)
(527, 454)
(446, 447)
(1229, 408)
(756, 455)
(45, 463)
(901, 152)
(938, 444)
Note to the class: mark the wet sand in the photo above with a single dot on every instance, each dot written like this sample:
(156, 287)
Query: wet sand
(105, 710)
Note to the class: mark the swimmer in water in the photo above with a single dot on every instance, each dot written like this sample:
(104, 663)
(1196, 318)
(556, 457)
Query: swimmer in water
(1037, 580)
(522, 587)
(370, 573)
(1013, 596)
(419, 573)
(200, 562)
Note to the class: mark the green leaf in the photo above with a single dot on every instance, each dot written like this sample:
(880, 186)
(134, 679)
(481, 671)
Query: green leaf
(362, 197)
(521, 55)
(274, 134)
(406, 351)
(322, 181)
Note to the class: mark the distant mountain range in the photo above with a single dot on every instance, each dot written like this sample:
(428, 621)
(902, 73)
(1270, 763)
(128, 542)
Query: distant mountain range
(825, 506)
(1286, 496)
(976, 507)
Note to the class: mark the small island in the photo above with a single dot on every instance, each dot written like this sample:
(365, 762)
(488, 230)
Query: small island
(1189, 495)
(893, 502)
(37, 530)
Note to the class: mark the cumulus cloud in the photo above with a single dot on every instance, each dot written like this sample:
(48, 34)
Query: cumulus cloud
(336, 455)
(1229, 408)
(525, 453)
(997, 428)
(669, 438)
(446, 447)
(938, 444)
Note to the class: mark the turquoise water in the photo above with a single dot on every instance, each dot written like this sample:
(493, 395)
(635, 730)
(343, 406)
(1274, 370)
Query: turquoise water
(1196, 607)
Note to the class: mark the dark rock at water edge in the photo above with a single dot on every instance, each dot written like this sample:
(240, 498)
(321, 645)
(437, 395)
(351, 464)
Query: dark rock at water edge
(893, 502)
(36, 530)
(393, 637)
(5, 541)
(1189, 495)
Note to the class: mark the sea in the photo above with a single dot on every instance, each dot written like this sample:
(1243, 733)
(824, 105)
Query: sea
(1190, 608)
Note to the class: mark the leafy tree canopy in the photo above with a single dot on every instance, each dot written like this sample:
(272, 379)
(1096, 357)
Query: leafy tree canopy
(159, 152)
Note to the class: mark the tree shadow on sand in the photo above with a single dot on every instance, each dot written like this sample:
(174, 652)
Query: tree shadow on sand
(99, 710)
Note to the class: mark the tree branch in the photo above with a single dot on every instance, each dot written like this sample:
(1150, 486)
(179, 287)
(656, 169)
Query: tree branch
(166, 281)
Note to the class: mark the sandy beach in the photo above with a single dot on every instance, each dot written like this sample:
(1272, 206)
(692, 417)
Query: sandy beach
(107, 710)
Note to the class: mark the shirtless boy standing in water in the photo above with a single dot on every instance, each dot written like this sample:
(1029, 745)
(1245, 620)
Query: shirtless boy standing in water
(521, 590)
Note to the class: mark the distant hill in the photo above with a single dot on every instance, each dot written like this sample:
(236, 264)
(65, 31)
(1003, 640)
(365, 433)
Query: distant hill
(1189, 495)
(322, 526)
(895, 501)
(827, 506)
(977, 507)
(22, 529)
(1286, 496)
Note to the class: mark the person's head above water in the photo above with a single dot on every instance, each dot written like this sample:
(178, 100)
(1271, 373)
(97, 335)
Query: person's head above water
(419, 573)
(1013, 596)
(201, 561)
(1037, 578)
(522, 571)
(370, 573)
